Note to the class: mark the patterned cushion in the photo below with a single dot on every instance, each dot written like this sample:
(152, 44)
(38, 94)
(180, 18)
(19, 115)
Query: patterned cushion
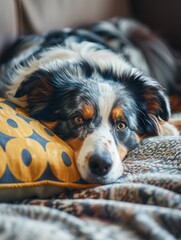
(33, 160)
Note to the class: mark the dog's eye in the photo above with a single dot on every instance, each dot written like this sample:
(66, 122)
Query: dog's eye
(120, 126)
(78, 120)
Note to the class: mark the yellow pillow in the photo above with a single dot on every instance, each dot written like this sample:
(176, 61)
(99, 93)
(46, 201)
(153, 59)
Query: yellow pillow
(33, 160)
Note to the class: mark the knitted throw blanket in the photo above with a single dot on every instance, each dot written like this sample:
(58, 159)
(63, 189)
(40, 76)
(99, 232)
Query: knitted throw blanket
(144, 204)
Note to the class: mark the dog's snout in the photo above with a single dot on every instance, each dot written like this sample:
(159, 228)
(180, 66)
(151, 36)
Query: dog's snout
(100, 164)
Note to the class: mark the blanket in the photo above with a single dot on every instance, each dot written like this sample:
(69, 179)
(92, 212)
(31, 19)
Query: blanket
(145, 203)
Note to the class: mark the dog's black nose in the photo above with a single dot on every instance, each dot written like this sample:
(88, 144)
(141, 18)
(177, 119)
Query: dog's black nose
(100, 164)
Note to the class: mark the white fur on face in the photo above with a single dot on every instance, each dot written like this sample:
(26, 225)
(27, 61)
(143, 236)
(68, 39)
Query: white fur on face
(101, 140)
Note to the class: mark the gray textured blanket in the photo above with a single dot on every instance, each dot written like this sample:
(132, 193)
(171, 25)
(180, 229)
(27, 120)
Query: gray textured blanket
(144, 204)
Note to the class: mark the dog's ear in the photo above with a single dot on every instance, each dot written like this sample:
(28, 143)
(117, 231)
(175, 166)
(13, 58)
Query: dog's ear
(47, 91)
(151, 102)
(156, 102)
(157, 110)
(38, 90)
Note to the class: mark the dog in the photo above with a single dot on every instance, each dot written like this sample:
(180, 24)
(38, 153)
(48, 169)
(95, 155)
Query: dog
(95, 88)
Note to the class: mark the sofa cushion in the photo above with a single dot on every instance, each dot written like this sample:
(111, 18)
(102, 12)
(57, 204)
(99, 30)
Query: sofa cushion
(33, 160)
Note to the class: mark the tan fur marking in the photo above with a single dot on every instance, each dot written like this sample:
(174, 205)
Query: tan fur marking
(122, 151)
(75, 143)
(106, 145)
(117, 113)
(50, 125)
(153, 107)
(138, 138)
(152, 102)
(88, 112)
(87, 157)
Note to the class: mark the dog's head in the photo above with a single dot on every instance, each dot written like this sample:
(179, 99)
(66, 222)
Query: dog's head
(100, 113)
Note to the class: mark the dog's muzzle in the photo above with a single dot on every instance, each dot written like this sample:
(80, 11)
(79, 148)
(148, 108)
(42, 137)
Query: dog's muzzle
(98, 160)
(100, 164)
